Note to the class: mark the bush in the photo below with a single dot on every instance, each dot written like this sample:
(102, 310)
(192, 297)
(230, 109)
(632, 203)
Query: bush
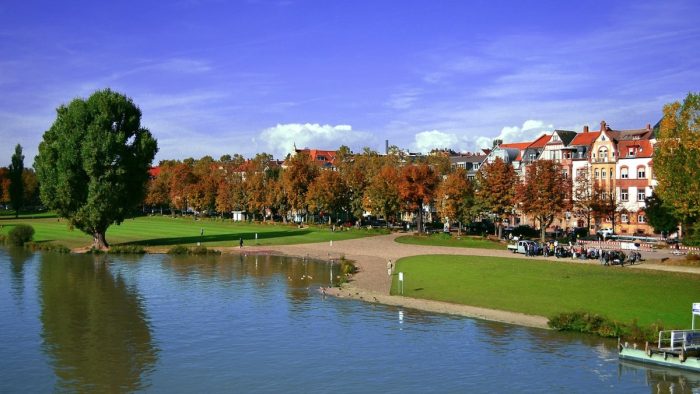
(197, 250)
(46, 247)
(20, 234)
(126, 249)
(591, 323)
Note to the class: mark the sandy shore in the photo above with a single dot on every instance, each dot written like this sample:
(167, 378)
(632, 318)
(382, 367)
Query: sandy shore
(372, 283)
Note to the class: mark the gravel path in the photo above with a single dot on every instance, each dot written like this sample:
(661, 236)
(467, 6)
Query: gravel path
(372, 283)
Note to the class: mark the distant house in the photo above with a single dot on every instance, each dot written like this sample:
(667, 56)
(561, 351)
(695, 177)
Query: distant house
(326, 159)
(471, 162)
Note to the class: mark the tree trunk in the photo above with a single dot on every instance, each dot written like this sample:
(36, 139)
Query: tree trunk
(499, 228)
(420, 220)
(98, 240)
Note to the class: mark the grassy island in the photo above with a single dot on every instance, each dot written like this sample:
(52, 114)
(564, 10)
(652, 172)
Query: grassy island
(547, 288)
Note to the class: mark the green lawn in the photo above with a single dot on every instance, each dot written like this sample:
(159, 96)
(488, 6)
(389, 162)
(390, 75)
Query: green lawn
(547, 288)
(454, 241)
(167, 231)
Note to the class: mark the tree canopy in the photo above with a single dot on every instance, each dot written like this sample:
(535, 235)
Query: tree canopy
(545, 193)
(16, 187)
(677, 159)
(93, 162)
(496, 191)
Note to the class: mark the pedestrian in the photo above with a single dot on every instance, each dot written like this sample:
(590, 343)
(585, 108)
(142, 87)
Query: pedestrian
(240, 242)
(201, 231)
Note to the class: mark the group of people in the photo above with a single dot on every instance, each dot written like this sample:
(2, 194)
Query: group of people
(579, 251)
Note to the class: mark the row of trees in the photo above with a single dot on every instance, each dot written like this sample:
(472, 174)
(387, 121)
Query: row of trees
(19, 187)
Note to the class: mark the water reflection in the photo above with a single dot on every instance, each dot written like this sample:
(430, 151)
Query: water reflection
(94, 326)
(18, 258)
(662, 380)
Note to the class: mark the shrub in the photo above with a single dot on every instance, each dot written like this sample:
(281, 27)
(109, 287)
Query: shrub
(46, 247)
(591, 323)
(197, 250)
(526, 231)
(126, 249)
(20, 234)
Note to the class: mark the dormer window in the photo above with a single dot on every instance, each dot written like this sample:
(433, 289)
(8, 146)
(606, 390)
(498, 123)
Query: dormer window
(636, 137)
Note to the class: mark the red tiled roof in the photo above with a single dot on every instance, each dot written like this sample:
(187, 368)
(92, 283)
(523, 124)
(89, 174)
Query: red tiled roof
(516, 145)
(541, 141)
(643, 148)
(154, 172)
(320, 157)
(585, 138)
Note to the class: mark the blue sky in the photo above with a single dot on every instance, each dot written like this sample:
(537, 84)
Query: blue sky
(217, 77)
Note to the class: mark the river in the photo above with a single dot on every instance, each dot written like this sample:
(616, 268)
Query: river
(158, 323)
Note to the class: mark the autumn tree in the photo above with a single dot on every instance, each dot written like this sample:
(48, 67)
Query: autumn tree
(93, 162)
(381, 196)
(606, 205)
(30, 185)
(202, 191)
(181, 181)
(545, 193)
(677, 159)
(4, 186)
(16, 187)
(327, 194)
(584, 196)
(496, 190)
(256, 184)
(417, 185)
(357, 172)
(454, 198)
(277, 198)
(158, 189)
(297, 177)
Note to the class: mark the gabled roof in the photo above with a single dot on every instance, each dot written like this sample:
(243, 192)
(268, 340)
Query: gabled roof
(585, 139)
(541, 141)
(566, 136)
(324, 158)
(627, 135)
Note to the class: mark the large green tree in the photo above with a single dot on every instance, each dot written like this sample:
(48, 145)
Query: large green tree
(660, 216)
(677, 159)
(16, 185)
(93, 162)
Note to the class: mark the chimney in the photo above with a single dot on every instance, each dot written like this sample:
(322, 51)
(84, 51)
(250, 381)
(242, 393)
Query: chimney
(603, 125)
(648, 126)
(386, 147)
(585, 129)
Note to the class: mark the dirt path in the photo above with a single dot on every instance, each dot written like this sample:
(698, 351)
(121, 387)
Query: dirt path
(372, 283)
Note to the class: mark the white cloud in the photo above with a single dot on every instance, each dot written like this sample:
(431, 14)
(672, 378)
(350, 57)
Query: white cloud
(281, 139)
(404, 99)
(425, 141)
(530, 130)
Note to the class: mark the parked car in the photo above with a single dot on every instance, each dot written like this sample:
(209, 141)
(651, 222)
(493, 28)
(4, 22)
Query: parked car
(520, 246)
(605, 232)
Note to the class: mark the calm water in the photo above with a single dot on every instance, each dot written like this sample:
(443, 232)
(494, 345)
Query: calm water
(247, 324)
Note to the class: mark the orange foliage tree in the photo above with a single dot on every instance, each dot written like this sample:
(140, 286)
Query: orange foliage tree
(454, 198)
(545, 193)
(496, 190)
(327, 194)
(382, 194)
(297, 177)
(417, 185)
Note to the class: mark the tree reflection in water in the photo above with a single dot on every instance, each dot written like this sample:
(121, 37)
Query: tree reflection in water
(94, 326)
(18, 257)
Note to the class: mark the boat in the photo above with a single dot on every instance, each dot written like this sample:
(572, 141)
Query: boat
(674, 348)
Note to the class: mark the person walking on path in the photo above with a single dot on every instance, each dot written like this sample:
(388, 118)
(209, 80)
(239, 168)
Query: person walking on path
(389, 267)
(240, 242)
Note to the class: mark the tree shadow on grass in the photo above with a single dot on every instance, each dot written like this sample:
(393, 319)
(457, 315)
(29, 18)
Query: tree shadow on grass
(233, 238)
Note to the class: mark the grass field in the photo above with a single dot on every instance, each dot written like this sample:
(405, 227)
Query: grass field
(454, 241)
(167, 231)
(547, 288)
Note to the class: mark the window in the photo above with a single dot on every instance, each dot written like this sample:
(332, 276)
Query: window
(603, 153)
(624, 195)
(641, 172)
(611, 174)
(624, 218)
(597, 174)
(641, 195)
(565, 174)
(641, 219)
(602, 173)
(624, 173)
(476, 166)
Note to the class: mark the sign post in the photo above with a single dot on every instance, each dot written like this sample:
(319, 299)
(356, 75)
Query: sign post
(696, 312)
(401, 282)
